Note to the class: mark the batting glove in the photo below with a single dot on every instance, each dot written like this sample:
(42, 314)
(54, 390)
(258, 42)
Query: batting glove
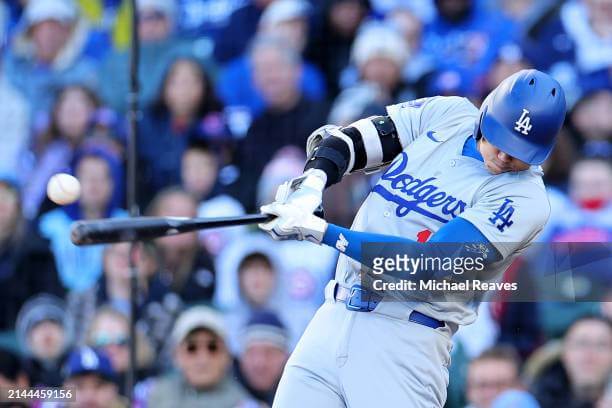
(293, 222)
(305, 192)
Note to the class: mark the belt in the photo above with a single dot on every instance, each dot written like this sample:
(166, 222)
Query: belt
(358, 299)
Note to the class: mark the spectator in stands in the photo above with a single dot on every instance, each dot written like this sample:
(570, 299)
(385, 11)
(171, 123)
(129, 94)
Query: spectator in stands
(496, 370)
(14, 119)
(71, 121)
(50, 52)
(200, 168)
(109, 332)
(287, 279)
(572, 41)
(200, 171)
(463, 41)
(580, 376)
(12, 372)
(114, 285)
(236, 35)
(592, 123)
(407, 19)
(90, 373)
(509, 60)
(289, 118)
(185, 264)
(186, 109)
(27, 266)
(203, 365)
(265, 352)
(249, 281)
(159, 46)
(583, 215)
(43, 333)
(287, 20)
(379, 54)
(331, 46)
(99, 172)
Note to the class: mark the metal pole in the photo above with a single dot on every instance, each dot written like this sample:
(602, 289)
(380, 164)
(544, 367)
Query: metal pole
(132, 205)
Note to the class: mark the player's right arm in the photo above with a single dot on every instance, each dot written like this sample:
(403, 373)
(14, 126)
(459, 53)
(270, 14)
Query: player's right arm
(335, 151)
(367, 145)
(372, 143)
(364, 145)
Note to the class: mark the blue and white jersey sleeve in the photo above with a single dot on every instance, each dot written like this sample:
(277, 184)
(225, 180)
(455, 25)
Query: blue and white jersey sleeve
(438, 114)
(509, 215)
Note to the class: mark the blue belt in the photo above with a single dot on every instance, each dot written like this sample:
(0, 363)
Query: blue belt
(358, 299)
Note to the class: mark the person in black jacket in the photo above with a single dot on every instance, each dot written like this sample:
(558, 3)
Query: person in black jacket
(186, 267)
(578, 379)
(288, 119)
(265, 352)
(27, 266)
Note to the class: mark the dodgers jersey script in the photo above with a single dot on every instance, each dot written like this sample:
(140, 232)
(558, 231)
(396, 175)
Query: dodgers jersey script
(431, 182)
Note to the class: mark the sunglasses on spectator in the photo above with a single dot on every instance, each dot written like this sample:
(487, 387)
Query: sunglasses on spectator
(212, 346)
(103, 340)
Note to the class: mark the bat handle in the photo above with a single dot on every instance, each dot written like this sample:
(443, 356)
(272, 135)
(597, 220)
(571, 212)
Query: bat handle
(269, 217)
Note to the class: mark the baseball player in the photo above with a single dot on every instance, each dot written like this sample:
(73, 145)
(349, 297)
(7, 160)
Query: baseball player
(455, 174)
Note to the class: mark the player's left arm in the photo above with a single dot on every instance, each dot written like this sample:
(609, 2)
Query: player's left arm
(503, 218)
(456, 238)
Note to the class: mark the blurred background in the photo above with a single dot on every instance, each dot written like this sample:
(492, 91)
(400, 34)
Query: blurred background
(230, 90)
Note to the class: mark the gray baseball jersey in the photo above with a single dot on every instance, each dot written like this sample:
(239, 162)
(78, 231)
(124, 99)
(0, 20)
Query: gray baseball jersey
(431, 182)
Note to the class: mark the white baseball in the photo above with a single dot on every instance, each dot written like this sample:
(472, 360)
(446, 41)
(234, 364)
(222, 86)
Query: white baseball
(63, 189)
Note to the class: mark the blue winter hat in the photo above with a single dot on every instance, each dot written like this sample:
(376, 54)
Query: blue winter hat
(266, 327)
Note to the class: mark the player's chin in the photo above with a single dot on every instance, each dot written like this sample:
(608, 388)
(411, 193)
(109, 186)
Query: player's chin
(493, 168)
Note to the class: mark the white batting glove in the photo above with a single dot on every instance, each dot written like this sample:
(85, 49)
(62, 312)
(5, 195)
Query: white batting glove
(305, 191)
(293, 222)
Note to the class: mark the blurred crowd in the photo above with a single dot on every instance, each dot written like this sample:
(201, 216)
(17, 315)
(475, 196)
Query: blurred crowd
(229, 92)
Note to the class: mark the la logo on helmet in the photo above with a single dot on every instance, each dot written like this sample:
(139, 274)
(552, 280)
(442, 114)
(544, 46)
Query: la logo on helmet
(523, 125)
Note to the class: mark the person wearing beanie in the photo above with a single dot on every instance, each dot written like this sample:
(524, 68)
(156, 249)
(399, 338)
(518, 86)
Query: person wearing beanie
(379, 55)
(44, 336)
(265, 352)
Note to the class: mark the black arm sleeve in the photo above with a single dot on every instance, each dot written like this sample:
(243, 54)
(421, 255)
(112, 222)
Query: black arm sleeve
(332, 157)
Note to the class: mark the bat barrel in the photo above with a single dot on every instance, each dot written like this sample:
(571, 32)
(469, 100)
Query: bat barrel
(108, 231)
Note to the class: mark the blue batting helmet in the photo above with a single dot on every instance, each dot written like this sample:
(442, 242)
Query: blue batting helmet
(523, 115)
